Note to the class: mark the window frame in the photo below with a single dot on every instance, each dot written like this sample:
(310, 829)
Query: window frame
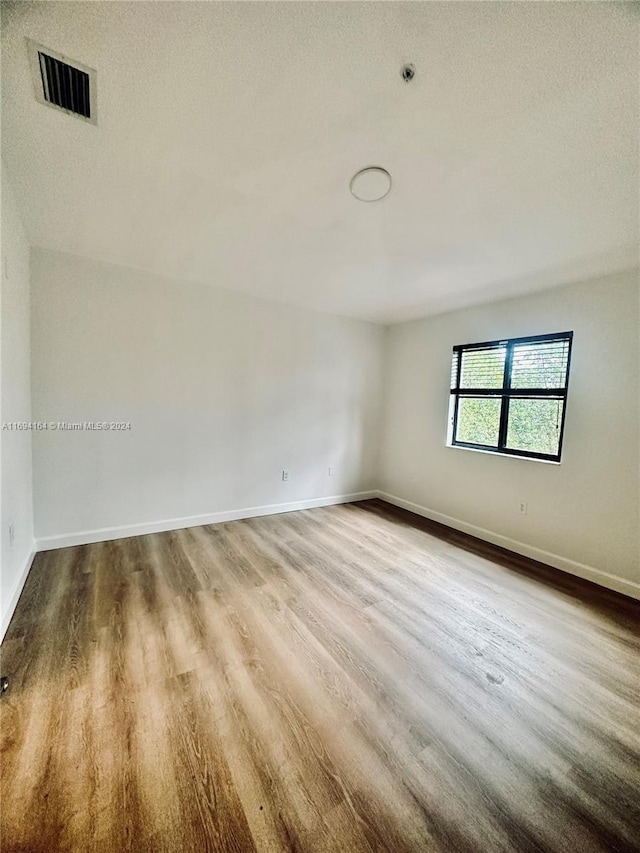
(505, 394)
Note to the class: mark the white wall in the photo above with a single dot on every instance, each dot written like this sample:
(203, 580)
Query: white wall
(16, 506)
(584, 513)
(223, 391)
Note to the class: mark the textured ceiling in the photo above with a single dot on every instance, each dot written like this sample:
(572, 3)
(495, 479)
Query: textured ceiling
(228, 132)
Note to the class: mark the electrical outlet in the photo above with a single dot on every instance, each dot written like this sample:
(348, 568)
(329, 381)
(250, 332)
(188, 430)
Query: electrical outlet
(12, 534)
(285, 476)
(522, 507)
(331, 471)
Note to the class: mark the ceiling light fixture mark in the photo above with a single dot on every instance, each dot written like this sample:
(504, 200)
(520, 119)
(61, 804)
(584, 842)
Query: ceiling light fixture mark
(372, 183)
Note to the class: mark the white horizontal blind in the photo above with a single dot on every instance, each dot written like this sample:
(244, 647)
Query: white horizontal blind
(454, 369)
(540, 364)
(483, 368)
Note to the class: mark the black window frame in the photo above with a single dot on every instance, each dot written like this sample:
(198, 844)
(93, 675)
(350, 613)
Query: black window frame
(505, 394)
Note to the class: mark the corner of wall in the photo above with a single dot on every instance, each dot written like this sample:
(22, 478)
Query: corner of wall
(17, 545)
(382, 406)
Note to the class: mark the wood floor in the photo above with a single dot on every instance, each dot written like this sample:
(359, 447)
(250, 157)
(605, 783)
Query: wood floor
(342, 679)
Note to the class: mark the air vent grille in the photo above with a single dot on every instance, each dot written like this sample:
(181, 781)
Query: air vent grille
(64, 85)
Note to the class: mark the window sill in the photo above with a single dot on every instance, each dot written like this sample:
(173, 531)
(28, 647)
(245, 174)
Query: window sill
(504, 455)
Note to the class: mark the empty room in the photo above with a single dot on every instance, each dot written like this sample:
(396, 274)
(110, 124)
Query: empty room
(320, 434)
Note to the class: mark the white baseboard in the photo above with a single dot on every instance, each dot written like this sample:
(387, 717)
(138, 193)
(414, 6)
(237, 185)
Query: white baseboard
(589, 573)
(12, 603)
(105, 534)
(85, 537)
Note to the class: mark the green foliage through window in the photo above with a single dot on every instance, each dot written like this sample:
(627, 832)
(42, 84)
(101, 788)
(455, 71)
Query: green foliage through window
(510, 396)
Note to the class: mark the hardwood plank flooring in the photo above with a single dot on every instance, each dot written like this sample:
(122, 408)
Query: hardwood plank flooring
(343, 679)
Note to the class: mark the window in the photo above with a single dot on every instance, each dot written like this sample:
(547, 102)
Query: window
(510, 396)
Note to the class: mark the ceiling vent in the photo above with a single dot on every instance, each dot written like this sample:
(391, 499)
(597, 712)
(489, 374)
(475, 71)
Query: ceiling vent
(63, 84)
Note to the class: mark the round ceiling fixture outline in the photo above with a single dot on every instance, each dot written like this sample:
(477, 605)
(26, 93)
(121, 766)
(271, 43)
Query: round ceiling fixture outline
(373, 183)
